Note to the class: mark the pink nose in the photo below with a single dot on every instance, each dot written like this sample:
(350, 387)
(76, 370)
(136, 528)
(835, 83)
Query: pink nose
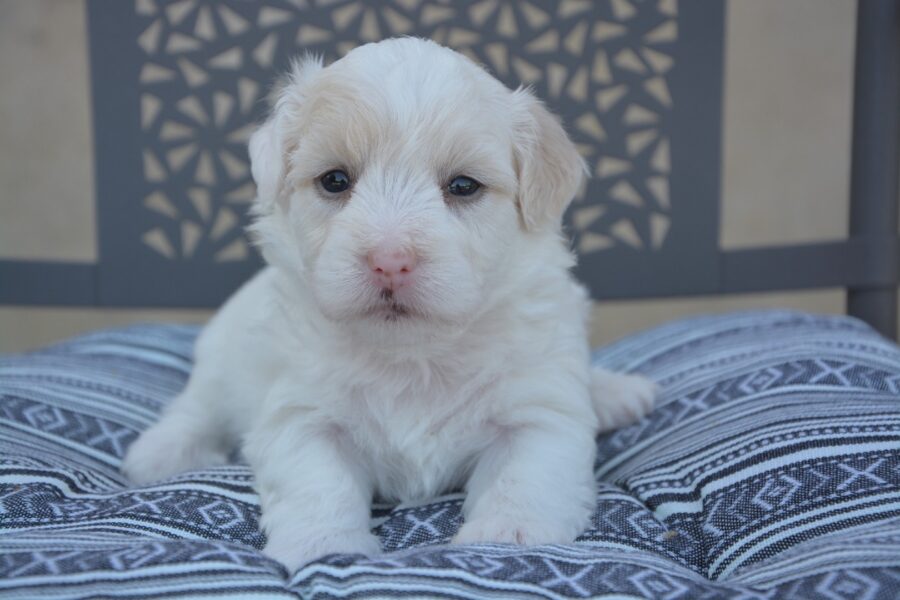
(392, 267)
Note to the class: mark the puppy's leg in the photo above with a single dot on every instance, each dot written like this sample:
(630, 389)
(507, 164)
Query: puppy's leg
(315, 499)
(534, 485)
(235, 358)
(190, 435)
(620, 399)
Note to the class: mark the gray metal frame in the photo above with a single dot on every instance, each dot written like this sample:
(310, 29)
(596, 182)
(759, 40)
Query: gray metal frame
(875, 170)
(866, 263)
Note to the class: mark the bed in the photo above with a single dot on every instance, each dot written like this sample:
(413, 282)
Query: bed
(770, 469)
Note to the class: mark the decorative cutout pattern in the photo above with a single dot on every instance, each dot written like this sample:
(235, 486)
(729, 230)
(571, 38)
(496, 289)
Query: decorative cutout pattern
(604, 66)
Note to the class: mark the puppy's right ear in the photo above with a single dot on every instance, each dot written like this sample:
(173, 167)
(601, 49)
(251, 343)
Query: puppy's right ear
(266, 163)
(268, 147)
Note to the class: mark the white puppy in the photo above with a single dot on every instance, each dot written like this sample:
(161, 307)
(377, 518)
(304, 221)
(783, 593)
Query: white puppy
(418, 329)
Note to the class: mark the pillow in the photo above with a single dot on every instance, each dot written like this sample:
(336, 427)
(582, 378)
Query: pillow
(770, 469)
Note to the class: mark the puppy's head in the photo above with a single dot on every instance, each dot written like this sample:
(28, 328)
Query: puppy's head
(398, 182)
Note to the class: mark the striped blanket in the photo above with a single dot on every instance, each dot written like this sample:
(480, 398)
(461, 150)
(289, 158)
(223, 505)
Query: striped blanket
(770, 470)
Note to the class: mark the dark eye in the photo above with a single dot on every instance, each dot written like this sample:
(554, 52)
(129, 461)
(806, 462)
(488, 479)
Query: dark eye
(462, 186)
(335, 182)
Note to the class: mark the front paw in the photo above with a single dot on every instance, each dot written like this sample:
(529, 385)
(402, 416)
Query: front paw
(296, 552)
(509, 530)
(165, 450)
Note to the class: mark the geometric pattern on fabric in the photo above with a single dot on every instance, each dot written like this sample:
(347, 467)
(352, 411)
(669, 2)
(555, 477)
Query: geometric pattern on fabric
(770, 469)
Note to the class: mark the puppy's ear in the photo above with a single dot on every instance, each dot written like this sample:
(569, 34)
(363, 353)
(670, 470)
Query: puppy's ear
(549, 168)
(266, 163)
(268, 146)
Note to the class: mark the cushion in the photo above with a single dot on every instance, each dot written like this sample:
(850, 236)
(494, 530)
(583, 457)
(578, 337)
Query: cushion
(771, 469)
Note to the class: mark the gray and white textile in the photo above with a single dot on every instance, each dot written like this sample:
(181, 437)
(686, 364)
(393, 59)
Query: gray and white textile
(770, 470)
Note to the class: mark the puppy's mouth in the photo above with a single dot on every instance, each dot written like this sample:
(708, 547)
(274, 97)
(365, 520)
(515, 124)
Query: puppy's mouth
(389, 309)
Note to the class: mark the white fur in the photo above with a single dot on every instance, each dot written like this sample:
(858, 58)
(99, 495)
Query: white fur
(483, 385)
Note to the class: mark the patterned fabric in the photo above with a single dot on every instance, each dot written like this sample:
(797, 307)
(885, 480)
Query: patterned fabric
(771, 469)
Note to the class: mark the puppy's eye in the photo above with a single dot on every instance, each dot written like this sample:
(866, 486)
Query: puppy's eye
(335, 182)
(462, 186)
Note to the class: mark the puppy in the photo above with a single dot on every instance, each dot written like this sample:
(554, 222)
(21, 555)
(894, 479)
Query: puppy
(417, 329)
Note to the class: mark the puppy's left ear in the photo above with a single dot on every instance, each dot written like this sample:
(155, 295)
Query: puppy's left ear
(548, 165)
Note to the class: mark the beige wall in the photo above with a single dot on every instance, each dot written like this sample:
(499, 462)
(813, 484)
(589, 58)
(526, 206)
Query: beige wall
(787, 121)
(46, 168)
(785, 171)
